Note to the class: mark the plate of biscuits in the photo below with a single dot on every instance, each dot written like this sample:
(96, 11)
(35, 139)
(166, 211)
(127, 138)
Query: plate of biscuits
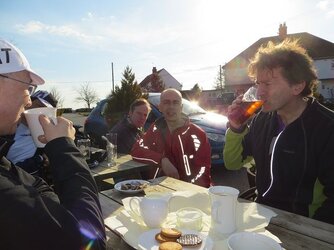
(174, 239)
(131, 186)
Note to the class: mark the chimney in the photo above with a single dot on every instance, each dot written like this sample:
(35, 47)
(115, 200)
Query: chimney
(154, 70)
(282, 31)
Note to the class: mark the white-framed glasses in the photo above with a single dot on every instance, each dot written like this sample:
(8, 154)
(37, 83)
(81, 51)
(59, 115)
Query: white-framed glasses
(32, 87)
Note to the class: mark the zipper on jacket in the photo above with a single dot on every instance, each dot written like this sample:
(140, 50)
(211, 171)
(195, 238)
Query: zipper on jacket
(294, 209)
(271, 165)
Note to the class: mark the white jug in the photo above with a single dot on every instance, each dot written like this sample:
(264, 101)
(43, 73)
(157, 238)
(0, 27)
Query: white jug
(153, 210)
(223, 208)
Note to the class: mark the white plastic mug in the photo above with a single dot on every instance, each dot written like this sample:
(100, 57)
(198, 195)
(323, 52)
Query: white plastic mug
(153, 210)
(32, 117)
(223, 208)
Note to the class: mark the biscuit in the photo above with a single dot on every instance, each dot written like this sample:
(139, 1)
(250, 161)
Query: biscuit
(161, 238)
(171, 232)
(189, 240)
(170, 246)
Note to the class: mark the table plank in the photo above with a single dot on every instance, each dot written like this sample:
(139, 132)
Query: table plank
(177, 185)
(295, 241)
(108, 206)
(304, 225)
(124, 167)
(150, 189)
(114, 242)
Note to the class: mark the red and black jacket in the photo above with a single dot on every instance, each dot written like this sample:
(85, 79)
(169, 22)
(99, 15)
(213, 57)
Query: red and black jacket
(187, 148)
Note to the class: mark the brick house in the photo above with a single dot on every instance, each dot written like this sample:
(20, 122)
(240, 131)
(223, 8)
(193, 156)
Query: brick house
(321, 51)
(167, 79)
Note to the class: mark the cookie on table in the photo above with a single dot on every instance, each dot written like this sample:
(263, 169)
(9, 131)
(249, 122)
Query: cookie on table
(170, 246)
(190, 240)
(171, 233)
(161, 238)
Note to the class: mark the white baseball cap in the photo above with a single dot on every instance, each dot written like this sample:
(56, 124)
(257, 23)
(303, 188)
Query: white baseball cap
(13, 60)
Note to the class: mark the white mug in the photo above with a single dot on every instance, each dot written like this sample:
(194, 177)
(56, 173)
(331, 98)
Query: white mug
(153, 210)
(32, 117)
(223, 208)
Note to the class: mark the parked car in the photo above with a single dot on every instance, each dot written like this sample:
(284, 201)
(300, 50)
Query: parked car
(213, 124)
(95, 125)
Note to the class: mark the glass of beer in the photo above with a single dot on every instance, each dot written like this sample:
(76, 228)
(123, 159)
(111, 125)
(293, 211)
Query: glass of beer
(249, 105)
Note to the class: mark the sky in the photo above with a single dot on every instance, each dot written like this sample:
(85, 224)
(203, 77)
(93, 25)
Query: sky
(73, 43)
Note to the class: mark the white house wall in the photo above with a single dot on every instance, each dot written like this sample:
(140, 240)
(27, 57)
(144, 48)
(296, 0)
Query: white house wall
(169, 80)
(325, 70)
(237, 76)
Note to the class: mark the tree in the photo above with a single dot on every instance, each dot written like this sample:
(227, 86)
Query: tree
(121, 99)
(56, 94)
(87, 95)
(156, 84)
(219, 83)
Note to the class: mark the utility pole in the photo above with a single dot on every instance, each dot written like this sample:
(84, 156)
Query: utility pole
(112, 78)
(220, 79)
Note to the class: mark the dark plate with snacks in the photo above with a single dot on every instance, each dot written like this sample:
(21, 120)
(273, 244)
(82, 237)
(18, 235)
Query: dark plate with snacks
(131, 186)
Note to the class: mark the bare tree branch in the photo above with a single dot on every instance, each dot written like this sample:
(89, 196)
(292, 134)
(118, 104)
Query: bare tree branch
(87, 94)
(56, 94)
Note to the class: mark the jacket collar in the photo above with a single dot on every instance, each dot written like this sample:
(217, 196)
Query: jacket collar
(5, 143)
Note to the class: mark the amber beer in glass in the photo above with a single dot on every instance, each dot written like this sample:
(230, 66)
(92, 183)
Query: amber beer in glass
(246, 110)
(248, 106)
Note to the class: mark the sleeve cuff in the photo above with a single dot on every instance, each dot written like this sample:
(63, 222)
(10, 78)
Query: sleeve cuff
(237, 130)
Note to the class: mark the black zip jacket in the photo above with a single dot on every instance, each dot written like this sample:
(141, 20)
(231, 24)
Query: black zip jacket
(127, 135)
(33, 216)
(301, 177)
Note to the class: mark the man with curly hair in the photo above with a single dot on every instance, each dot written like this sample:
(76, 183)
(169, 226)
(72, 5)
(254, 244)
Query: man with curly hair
(291, 139)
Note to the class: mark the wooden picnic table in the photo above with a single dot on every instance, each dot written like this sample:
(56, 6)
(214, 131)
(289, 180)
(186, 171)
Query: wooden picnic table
(295, 231)
(125, 168)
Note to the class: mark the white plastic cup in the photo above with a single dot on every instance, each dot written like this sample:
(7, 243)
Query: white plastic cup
(223, 208)
(153, 210)
(32, 117)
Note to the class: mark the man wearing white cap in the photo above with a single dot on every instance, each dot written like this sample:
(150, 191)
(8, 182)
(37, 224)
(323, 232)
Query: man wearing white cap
(32, 215)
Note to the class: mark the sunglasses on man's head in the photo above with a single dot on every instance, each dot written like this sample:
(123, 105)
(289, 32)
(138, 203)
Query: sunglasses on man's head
(31, 88)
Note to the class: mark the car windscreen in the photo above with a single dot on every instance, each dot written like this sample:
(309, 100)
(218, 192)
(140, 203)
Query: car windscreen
(189, 108)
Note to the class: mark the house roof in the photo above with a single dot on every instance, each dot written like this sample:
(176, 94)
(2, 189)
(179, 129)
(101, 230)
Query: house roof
(167, 79)
(316, 47)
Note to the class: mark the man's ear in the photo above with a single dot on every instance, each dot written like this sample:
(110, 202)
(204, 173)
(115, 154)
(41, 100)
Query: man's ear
(298, 88)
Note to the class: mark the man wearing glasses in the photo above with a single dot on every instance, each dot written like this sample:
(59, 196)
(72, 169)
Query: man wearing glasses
(32, 215)
(23, 152)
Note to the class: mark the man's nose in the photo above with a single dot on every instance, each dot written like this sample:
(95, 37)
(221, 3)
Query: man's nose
(259, 92)
(28, 102)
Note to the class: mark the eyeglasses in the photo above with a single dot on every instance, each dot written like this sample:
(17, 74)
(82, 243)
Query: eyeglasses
(32, 87)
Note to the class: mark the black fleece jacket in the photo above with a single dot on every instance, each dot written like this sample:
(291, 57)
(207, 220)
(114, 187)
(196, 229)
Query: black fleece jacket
(33, 216)
(301, 179)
